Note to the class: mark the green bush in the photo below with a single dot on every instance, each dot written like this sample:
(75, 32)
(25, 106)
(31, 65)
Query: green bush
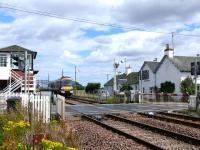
(126, 87)
(92, 87)
(187, 86)
(167, 87)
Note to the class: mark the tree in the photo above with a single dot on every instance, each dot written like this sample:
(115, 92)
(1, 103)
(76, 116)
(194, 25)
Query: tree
(92, 87)
(188, 86)
(125, 87)
(167, 87)
(79, 86)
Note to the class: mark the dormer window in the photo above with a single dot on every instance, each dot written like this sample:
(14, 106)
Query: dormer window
(3, 60)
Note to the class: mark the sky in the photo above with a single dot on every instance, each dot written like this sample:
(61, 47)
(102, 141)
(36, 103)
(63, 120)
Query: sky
(64, 44)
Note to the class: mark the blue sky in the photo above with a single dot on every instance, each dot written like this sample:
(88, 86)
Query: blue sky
(5, 18)
(62, 44)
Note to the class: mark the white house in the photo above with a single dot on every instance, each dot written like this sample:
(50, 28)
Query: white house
(147, 81)
(131, 79)
(170, 68)
(12, 69)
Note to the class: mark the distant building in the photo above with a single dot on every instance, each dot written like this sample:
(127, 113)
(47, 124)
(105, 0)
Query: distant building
(148, 76)
(12, 69)
(170, 68)
(131, 78)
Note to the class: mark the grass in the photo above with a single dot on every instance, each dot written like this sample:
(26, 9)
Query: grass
(11, 136)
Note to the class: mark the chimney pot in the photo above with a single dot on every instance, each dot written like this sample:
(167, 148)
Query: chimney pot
(167, 46)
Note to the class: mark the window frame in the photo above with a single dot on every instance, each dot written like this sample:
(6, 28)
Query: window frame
(3, 60)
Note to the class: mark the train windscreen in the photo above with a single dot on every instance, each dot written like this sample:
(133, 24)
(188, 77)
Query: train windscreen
(67, 83)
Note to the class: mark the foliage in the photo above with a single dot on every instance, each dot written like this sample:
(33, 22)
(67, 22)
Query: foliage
(47, 144)
(51, 145)
(167, 87)
(92, 87)
(15, 133)
(79, 86)
(126, 87)
(187, 86)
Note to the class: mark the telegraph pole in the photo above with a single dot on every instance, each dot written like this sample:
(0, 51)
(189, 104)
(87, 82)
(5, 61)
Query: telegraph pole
(196, 75)
(62, 72)
(25, 65)
(125, 65)
(107, 77)
(115, 65)
(75, 79)
(172, 40)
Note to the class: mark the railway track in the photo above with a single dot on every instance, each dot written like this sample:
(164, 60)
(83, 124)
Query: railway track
(79, 100)
(150, 136)
(86, 100)
(176, 120)
(120, 132)
(181, 116)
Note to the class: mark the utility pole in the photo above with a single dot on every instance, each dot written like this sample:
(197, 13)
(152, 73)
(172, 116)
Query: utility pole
(62, 73)
(115, 65)
(196, 76)
(125, 65)
(25, 71)
(107, 77)
(48, 77)
(75, 79)
(173, 40)
(10, 80)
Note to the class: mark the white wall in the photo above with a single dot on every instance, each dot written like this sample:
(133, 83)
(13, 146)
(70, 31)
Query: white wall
(5, 71)
(146, 84)
(168, 72)
(109, 89)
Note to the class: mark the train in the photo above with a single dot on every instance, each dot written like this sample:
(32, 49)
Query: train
(63, 86)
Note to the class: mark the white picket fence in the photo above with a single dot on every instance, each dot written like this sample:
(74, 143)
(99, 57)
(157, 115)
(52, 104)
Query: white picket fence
(61, 106)
(40, 104)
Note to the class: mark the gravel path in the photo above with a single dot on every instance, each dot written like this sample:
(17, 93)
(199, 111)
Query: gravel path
(94, 137)
(155, 138)
(194, 132)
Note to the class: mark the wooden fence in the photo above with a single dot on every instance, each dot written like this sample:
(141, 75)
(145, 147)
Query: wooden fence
(40, 104)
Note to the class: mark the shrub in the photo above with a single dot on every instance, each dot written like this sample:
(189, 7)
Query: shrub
(126, 87)
(187, 86)
(167, 87)
(92, 87)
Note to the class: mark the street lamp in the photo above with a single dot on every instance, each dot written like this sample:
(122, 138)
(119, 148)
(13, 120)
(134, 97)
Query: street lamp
(196, 76)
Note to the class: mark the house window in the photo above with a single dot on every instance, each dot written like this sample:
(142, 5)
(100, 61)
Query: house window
(145, 74)
(3, 60)
(151, 89)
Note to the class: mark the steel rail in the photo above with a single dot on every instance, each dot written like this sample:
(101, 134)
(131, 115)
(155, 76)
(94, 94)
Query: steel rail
(173, 120)
(129, 136)
(91, 101)
(67, 102)
(181, 116)
(181, 137)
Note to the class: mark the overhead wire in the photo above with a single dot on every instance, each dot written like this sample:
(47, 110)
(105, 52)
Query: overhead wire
(52, 15)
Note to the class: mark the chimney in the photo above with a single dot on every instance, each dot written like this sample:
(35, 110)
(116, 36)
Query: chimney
(128, 70)
(169, 51)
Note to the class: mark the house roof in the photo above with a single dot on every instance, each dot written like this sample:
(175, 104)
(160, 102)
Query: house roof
(16, 48)
(182, 63)
(151, 64)
(110, 82)
(132, 78)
